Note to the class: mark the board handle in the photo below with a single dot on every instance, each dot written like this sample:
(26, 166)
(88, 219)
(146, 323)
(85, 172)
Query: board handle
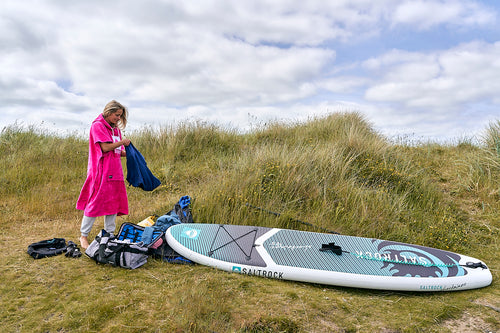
(331, 247)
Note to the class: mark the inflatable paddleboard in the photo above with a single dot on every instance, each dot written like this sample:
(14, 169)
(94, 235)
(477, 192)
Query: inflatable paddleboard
(327, 258)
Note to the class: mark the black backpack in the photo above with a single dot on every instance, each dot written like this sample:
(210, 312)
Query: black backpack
(47, 248)
(183, 210)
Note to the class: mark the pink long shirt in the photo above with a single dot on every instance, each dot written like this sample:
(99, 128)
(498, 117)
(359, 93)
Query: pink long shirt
(104, 191)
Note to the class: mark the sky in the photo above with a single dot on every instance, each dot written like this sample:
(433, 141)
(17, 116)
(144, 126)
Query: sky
(425, 69)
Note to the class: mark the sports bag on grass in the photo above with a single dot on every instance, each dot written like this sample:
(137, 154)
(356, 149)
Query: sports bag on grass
(134, 233)
(157, 247)
(122, 253)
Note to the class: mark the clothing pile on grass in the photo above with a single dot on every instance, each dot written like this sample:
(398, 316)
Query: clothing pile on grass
(131, 246)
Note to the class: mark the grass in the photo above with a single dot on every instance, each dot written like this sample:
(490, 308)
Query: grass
(335, 173)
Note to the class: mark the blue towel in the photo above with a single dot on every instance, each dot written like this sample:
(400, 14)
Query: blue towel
(138, 174)
(147, 235)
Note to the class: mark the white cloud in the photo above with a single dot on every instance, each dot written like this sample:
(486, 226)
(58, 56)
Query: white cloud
(425, 14)
(441, 80)
(229, 61)
(343, 84)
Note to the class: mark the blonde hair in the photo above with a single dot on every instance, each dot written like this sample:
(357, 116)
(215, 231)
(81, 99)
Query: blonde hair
(113, 107)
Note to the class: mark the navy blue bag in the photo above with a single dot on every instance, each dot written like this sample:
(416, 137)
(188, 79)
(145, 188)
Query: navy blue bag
(138, 174)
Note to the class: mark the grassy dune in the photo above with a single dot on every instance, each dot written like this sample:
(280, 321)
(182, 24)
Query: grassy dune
(335, 173)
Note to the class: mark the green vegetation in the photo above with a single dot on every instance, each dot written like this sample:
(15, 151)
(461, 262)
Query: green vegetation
(335, 173)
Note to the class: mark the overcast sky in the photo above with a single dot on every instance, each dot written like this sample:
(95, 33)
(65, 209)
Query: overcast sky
(427, 69)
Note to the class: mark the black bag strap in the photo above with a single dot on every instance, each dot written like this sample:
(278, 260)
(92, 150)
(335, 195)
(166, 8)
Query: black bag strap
(121, 260)
(102, 257)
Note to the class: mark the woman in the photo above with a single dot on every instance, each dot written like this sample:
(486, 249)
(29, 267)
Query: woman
(104, 192)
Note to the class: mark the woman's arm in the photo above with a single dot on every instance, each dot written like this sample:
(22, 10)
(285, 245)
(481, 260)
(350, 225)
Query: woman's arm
(109, 146)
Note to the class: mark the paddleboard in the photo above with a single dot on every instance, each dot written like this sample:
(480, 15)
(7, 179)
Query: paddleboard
(329, 259)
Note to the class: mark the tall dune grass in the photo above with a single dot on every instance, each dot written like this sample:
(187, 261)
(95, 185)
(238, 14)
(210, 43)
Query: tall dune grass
(334, 173)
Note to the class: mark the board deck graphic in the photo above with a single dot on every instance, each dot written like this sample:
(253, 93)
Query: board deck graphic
(327, 258)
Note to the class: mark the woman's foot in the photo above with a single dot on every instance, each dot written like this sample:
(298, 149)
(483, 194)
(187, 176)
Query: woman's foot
(84, 242)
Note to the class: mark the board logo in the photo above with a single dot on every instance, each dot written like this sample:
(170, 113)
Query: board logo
(258, 272)
(190, 233)
(278, 245)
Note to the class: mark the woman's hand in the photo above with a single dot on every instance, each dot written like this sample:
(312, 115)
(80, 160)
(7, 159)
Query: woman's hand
(109, 146)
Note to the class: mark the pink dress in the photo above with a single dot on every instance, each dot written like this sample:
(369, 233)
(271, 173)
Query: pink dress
(103, 192)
